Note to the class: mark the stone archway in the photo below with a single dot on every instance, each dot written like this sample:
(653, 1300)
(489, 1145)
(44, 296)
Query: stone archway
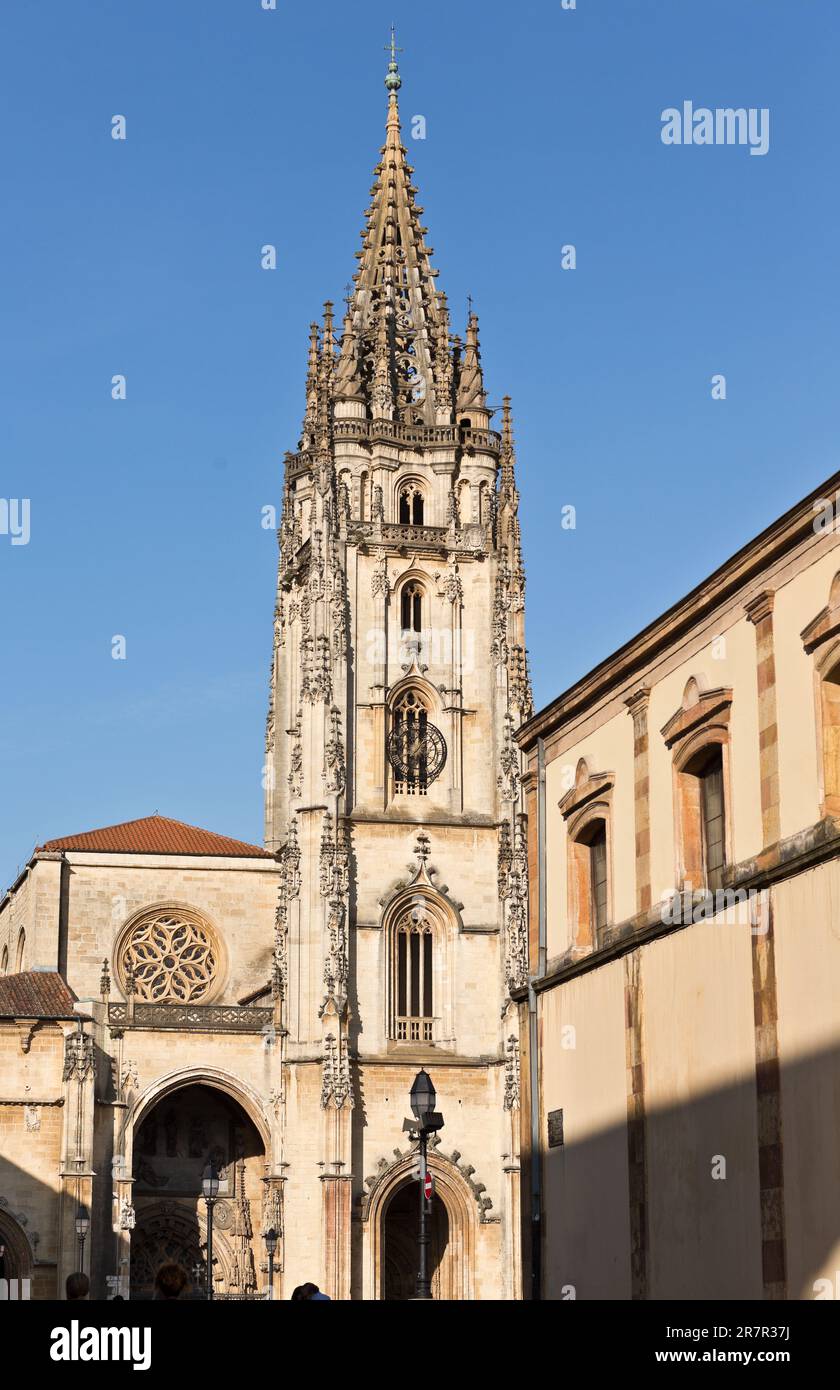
(16, 1257)
(176, 1137)
(390, 1216)
(400, 1221)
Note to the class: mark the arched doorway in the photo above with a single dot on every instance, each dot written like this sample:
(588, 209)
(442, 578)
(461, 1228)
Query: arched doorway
(400, 1230)
(174, 1142)
(15, 1254)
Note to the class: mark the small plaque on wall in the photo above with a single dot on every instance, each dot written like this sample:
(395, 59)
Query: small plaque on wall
(555, 1129)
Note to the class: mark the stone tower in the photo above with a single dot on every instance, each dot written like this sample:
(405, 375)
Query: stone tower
(399, 675)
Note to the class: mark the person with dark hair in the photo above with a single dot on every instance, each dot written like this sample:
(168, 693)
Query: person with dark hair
(77, 1287)
(170, 1281)
(311, 1293)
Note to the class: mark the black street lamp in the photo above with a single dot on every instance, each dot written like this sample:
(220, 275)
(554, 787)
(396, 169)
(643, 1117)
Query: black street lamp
(82, 1228)
(271, 1246)
(210, 1188)
(427, 1121)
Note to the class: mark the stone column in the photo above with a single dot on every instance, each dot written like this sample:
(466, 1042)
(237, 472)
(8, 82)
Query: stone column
(759, 611)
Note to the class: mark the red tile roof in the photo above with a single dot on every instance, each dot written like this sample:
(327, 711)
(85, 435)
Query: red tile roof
(157, 835)
(36, 994)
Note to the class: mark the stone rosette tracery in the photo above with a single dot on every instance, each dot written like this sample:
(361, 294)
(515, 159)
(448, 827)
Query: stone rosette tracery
(170, 955)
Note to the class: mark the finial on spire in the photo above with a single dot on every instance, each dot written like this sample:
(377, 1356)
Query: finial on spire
(393, 81)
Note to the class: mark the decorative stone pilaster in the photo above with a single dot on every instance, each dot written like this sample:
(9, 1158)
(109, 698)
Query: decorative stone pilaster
(759, 611)
(637, 704)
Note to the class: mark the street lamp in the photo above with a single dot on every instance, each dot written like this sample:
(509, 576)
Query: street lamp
(82, 1228)
(210, 1188)
(271, 1246)
(427, 1121)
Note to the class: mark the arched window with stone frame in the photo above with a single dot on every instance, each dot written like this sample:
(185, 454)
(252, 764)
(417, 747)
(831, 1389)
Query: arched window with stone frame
(410, 503)
(413, 982)
(409, 728)
(698, 737)
(416, 748)
(4, 961)
(21, 950)
(821, 639)
(411, 609)
(587, 811)
(420, 928)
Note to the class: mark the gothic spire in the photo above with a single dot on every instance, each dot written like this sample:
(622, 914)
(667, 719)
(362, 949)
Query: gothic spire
(395, 286)
(471, 394)
(308, 431)
(348, 381)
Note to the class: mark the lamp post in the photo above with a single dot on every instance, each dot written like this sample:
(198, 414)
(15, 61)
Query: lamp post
(82, 1228)
(427, 1121)
(271, 1246)
(210, 1188)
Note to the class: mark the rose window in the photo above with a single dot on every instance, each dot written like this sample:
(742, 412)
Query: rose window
(173, 956)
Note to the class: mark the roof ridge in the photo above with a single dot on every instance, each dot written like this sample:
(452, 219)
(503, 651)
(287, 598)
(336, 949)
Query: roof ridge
(161, 835)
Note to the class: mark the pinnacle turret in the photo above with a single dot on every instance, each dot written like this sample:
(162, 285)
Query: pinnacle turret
(472, 399)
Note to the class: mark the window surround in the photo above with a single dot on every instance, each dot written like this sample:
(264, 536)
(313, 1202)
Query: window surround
(429, 698)
(587, 804)
(417, 500)
(821, 639)
(701, 723)
(421, 895)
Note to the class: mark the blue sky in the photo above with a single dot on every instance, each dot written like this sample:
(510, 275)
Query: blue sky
(247, 126)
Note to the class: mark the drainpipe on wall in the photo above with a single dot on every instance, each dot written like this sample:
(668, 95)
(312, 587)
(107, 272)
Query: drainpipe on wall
(533, 1057)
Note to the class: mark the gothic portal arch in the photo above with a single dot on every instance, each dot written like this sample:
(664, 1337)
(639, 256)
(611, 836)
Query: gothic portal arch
(392, 1214)
(180, 1125)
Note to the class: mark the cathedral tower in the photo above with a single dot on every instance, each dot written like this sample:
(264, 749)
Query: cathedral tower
(399, 675)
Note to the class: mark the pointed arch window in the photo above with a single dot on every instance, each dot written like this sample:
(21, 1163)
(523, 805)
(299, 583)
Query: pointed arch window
(411, 608)
(21, 947)
(413, 985)
(4, 961)
(410, 505)
(411, 722)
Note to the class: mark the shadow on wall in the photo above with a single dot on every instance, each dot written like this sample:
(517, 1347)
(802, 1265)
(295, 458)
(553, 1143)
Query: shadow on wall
(28, 1232)
(690, 1204)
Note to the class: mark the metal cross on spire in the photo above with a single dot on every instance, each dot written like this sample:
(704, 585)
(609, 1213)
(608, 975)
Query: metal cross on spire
(393, 81)
(392, 46)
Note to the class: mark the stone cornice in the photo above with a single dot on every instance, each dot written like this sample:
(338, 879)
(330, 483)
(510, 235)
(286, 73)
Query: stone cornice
(596, 784)
(778, 540)
(685, 721)
(761, 606)
(821, 629)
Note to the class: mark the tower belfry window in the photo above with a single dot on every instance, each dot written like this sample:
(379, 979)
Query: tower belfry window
(416, 748)
(413, 977)
(411, 506)
(412, 608)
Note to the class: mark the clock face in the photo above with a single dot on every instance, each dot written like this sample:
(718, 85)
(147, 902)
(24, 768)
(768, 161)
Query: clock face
(416, 751)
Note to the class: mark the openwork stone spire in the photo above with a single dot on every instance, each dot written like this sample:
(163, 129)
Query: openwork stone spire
(399, 324)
